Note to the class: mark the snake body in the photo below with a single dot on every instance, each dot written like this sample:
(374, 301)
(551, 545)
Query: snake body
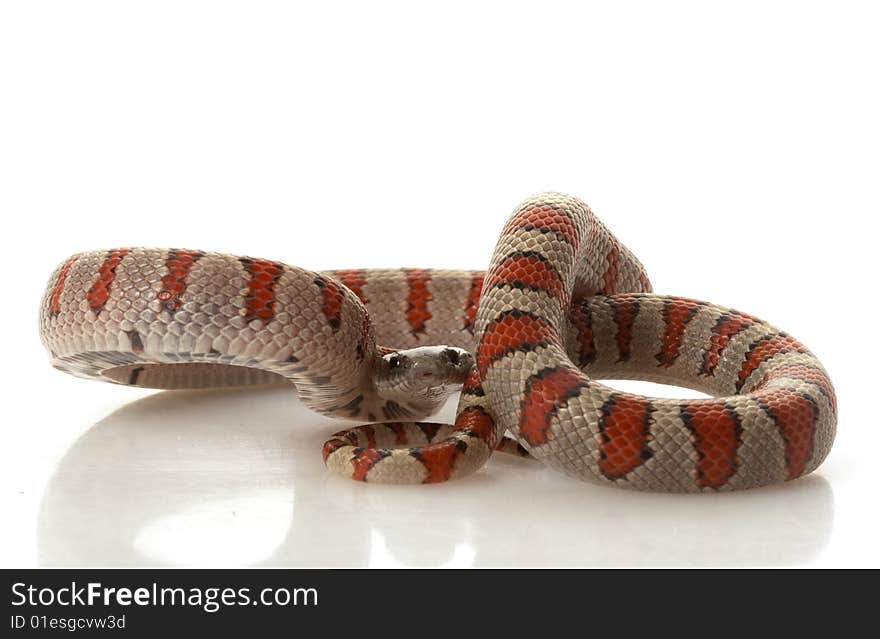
(563, 304)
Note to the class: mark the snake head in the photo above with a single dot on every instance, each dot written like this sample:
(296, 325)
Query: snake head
(425, 373)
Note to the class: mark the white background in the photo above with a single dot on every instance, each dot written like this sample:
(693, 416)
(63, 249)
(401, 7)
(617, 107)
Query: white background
(733, 147)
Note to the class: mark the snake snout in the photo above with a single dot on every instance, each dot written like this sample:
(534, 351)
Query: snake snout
(417, 369)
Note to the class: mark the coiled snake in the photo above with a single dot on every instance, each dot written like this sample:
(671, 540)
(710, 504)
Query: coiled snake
(562, 305)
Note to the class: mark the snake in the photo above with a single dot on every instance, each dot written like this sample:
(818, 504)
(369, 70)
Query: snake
(562, 306)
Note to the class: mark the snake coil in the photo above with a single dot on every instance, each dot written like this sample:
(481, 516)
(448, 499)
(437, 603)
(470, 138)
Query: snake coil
(562, 305)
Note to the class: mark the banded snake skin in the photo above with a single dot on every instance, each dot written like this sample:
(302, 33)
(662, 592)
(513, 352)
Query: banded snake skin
(562, 305)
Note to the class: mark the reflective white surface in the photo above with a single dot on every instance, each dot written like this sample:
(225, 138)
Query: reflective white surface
(235, 478)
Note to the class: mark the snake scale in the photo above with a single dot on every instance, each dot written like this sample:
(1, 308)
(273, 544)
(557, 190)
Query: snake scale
(562, 305)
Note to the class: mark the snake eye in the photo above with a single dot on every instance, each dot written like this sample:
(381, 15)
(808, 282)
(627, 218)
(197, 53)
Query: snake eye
(394, 362)
(452, 356)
